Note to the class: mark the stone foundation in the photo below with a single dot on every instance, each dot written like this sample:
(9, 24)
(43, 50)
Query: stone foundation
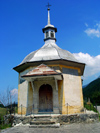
(62, 119)
(78, 118)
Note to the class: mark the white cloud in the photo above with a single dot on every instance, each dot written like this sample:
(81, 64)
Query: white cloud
(95, 31)
(92, 63)
(92, 32)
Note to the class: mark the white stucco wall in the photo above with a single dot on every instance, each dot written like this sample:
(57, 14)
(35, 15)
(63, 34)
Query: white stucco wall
(23, 88)
(72, 87)
(72, 90)
(37, 85)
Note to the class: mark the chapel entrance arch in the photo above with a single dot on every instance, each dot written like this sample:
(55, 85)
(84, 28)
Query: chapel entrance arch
(45, 98)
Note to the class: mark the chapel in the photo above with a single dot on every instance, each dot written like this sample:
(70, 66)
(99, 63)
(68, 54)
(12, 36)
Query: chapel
(50, 79)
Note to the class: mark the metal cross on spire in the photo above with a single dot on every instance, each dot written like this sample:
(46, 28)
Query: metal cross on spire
(48, 13)
(48, 6)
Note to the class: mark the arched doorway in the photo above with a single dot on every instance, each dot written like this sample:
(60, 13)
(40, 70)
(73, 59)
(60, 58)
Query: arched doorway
(45, 98)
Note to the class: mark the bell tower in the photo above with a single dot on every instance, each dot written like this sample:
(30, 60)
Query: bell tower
(49, 30)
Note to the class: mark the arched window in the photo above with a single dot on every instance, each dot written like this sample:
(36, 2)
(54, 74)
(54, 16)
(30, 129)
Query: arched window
(52, 34)
(47, 34)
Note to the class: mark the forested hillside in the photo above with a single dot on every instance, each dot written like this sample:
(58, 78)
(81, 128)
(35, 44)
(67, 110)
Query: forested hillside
(92, 91)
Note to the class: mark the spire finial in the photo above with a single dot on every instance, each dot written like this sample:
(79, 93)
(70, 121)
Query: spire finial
(48, 13)
(48, 6)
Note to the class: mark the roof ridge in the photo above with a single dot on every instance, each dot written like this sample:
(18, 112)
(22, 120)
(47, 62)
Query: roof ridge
(57, 50)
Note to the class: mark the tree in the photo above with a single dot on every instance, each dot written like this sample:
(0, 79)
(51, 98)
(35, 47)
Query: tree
(1, 104)
(8, 97)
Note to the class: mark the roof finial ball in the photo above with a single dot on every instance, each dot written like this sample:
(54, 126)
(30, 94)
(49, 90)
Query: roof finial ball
(48, 6)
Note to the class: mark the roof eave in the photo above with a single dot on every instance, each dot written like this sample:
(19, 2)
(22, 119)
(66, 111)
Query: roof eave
(53, 28)
(23, 66)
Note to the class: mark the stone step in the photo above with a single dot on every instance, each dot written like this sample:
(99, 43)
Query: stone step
(46, 113)
(57, 125)
(41, 122)
(43, 119)
(44, 116)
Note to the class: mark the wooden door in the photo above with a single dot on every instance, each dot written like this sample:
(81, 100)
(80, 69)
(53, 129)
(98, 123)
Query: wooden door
(45, 98)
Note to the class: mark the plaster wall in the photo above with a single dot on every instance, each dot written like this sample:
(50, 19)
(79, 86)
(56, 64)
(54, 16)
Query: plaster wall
(61, 97)
(72, 92)
(30, 99)
(22, 97)
(37, 85)
(69, 92)
(23, 86)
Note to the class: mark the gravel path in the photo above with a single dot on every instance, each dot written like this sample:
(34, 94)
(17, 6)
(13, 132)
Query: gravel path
(71, 128)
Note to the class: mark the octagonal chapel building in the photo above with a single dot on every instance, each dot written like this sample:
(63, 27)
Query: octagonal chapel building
(50, 79)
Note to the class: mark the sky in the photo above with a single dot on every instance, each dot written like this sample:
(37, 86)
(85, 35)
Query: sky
(21, 23)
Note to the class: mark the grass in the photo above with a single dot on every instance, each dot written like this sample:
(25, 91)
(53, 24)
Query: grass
(91, 107)
(4, 126)
(16, 109)
(99, 117)
(2, 113)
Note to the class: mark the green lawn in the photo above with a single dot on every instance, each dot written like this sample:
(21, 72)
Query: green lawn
(2, 111)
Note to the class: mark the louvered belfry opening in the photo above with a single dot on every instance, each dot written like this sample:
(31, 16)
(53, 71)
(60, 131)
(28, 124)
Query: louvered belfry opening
(45, 98)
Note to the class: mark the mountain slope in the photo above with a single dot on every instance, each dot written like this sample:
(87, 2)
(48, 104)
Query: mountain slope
(92, 91)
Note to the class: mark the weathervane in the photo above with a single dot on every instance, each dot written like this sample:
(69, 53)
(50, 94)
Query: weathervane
(48, 6)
